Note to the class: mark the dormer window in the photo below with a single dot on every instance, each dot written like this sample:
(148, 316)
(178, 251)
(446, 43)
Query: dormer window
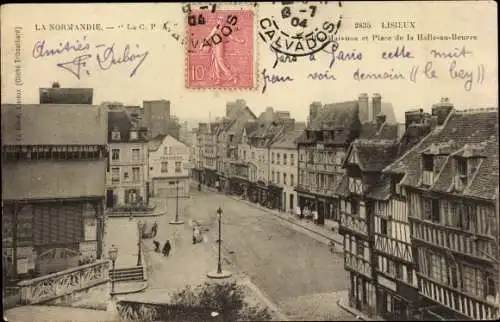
(462, 167)
(133, 135)
(461, 173)
(428, 162)
(115, 135)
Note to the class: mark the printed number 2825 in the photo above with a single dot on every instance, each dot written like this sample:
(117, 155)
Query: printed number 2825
(362, 25)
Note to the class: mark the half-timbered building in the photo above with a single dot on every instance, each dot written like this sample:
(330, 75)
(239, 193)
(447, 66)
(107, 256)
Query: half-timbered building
(450, 180)
(365, 159)
(322, 148)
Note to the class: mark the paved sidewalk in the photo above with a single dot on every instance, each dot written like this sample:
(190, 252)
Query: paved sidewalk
(40, 313)
(124, 234)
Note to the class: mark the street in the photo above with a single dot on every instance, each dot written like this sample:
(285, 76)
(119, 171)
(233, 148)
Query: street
(294, 271)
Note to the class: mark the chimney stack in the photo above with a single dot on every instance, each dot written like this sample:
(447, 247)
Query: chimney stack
(314, 110)
(380, 120)
(376, 106)
(363, 108)
(442, 110)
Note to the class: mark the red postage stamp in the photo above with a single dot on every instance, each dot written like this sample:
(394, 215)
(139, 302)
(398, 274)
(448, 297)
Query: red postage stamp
(221, 49)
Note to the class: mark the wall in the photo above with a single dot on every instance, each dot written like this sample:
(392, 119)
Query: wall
(176, 152)
(289, 169)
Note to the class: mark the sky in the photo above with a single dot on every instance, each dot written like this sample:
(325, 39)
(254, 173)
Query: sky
(162, 73)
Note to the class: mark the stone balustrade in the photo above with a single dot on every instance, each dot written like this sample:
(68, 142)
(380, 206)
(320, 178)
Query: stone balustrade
(49, 287)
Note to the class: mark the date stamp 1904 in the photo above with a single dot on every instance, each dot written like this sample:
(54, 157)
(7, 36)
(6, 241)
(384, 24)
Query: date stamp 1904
(220, 49)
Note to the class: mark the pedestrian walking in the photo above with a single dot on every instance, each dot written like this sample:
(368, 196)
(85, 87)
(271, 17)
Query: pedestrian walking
(194, 235)
(154, 230)
(167, 248)
(315, 216)
(157, 246)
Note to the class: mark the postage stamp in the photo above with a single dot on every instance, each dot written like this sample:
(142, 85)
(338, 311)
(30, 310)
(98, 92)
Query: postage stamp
(220, 51)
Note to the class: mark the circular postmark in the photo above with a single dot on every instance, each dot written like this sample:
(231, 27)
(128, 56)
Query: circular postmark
(299, 29)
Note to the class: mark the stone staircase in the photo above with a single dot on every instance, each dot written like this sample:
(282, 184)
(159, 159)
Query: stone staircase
(127, 274)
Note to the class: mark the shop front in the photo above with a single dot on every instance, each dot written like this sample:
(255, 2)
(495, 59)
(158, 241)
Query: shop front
(362, 295)
(275, 196)
(259, 193)
(210, 177)
(238, 186)
(306, 200)
(396, 301)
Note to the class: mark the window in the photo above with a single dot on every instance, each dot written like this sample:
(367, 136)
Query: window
(272, 157)
(278, 156)
(115, 135)
(291, 180)
(360, 249)
(490, 287)
(428, 162)
(244, 155)
(115, 154)
(354, 207)
(284, 158)
(165, 150)
(164, 167)
(430, 209)
(133, 135)
(125, 176)
(253, 155)
(473, 281)
(178, 167)
(462, 166)
(115, 175)
(438, 268)
(135, 174)
(278, 177)
(284, 178)
(292, 159)
(384, 227)
(135, 154)
(453, 278)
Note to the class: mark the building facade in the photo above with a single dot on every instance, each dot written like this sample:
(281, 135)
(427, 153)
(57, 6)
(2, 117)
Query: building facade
(169, 167)
(127, 178)
(209, 155)
(284, 168)
(450, 182)
(53, 185)
(238, 115)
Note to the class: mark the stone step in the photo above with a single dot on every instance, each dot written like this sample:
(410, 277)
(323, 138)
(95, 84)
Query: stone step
(127, 274)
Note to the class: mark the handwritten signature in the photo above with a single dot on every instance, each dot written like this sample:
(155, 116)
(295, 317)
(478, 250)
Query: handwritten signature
(106, 56)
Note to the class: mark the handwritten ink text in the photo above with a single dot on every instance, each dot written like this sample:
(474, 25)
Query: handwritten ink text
(273, 79)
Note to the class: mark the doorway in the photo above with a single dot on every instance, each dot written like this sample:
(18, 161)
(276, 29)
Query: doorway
(291, 202)
(283, 205)
(110, 198)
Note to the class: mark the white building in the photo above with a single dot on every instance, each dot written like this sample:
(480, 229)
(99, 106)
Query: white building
(284, 168)
(168, 167)
(128, 158)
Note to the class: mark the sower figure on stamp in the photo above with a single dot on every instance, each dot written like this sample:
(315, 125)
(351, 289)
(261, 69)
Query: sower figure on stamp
(218, 61)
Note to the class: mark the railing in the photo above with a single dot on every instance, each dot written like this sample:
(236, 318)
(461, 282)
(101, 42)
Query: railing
(452, 240)
(354, 223)
(52, 286)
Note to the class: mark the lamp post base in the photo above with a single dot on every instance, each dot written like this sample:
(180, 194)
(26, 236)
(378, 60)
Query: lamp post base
(215, 275)
(176, 222)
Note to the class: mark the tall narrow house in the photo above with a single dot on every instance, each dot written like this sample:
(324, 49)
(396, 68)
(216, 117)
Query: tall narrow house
(450, 180)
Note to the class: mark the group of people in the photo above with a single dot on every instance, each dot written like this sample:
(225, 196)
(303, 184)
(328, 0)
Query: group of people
(307, 213)
(166, 248)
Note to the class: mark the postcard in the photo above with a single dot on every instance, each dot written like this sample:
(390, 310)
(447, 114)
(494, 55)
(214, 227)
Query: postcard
(135, 134)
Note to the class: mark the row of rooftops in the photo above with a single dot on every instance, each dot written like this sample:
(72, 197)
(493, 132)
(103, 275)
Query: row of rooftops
(469, 136)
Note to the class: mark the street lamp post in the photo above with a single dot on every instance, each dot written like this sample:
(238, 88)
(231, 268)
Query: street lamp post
(219, 273)
(177, 221)
(139, 253)
(113, 254)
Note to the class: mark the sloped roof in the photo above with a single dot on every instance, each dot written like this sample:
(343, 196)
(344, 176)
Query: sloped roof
(336, 115)
(120, 120)
(387, 131)
(54, 124)
(155, 143)
(466, 127)
(287, 141)
(49, 180)
(374, 155)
